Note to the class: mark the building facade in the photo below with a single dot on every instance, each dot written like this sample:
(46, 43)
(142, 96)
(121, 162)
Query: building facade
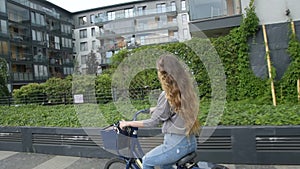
(106, 30)
(40, 40)
(36, 41)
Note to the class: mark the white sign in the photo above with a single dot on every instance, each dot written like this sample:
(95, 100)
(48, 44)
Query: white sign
(78, 98)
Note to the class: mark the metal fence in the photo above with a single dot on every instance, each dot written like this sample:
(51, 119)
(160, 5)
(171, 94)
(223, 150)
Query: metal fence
(105, 96)
(258, 145)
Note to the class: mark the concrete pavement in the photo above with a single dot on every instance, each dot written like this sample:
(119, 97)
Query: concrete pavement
(20, 160)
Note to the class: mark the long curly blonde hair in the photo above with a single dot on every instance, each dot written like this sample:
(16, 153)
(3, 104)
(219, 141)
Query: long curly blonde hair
(180, 91)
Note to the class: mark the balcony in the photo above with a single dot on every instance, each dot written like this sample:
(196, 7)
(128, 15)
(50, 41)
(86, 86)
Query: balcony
(22, 76)
(158, 40)
(214, 18)
(17, 37)
(203, 10)
(100, 20)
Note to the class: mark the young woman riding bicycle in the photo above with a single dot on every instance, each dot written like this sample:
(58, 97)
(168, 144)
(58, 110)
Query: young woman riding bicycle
(177, 109)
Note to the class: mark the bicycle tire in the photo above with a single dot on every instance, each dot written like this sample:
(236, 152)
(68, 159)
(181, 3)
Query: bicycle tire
(116, 163)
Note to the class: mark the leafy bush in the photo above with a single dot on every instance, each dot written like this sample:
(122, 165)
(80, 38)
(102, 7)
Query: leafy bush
(31, 93)
(235, 114)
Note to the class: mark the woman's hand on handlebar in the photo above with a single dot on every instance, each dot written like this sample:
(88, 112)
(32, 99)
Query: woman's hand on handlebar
(123, 124)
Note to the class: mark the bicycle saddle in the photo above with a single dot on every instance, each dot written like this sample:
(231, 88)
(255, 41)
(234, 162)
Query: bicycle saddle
(187, 158)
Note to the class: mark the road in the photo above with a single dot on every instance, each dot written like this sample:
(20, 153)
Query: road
(19, 160)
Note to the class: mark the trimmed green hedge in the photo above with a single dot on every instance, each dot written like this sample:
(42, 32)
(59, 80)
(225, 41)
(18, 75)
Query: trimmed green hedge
(235, 113)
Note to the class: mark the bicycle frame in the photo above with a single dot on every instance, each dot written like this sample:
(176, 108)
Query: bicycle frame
(136, 151)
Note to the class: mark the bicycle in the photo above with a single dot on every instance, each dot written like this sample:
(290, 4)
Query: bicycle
(116, 139)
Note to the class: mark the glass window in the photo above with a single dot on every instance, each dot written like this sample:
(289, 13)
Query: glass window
(128, 13)
(83, 46)
(92, 18)
(3, 27)
(161, 8)
(3, 48)
(39, 36)
(141, 10)
(83, 59)
(184, 18)
(57, 42)
(40, 71)
(33, 18)
(33, 35)
(111, 15)
(2, 6)
(173, 6)
(83, 33)
(185, 34)
(82, 20)
(18, 14)
(93, 32)
(38, 19)
(93, 45)
(183, 5)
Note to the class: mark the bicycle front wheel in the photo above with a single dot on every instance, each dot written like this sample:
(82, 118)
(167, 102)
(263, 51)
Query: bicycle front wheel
(116, 163)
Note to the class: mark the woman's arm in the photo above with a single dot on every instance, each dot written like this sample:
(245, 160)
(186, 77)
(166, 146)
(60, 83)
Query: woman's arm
(124, 124)
(135, 123)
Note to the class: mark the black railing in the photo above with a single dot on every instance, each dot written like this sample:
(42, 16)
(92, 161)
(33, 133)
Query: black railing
(104, 96)
(254, 145)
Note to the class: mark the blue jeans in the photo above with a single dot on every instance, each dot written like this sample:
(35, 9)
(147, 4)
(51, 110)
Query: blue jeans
(173, 148)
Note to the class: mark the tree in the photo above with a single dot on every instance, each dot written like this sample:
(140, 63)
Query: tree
(3, 78)
(92, 64)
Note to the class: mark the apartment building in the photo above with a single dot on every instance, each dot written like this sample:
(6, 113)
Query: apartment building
(36, 41)
(40, 40)
(106, 30)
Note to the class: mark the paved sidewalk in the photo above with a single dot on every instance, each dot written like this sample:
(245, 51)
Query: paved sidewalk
(19, 160)
(16, 160)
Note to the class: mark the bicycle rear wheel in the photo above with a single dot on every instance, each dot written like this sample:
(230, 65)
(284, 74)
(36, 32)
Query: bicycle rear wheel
(116, 163)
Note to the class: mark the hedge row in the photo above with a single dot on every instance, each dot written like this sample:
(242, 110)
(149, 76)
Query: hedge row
(235, 113)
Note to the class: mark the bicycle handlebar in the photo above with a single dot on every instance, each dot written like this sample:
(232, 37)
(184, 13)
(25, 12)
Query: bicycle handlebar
(139, 112)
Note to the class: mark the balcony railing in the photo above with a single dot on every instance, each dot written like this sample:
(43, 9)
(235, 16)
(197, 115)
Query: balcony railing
(103, 19)
(133, 30)
(22, 76)
(212, 9)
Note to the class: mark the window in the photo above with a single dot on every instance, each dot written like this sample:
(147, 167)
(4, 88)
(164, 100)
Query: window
(57, 42)
(142, 39)
(37, 35)
(83, 59)
(40, 72)
(37, 19)
(93, 32)
(3, 26)
(92, 18)
(184, 18)
(161, 8)
(66, 28)
(173, 6)
(83, 33)
(128, 13)
(185, 34)
(83, 46)
(183, 5)
(2, 6)
(3, 48)
(111, 16)
(68, 70)
(82, 20)
(141, 10)
(93, 44)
